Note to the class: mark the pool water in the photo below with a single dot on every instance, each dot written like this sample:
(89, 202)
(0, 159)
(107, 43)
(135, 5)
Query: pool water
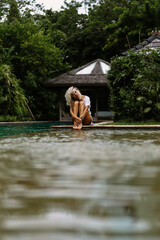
(14, 129)
(80, 185)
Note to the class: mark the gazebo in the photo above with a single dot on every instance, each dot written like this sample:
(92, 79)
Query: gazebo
(91, 79)
(153, 43)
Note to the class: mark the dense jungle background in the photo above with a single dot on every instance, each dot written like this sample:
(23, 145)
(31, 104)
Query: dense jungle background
(37, 45)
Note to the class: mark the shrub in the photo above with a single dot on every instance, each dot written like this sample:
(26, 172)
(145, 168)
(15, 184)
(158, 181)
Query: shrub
(135, 86)
(12, 98)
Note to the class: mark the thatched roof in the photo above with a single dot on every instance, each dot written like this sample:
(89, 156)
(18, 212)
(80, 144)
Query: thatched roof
(152, 43)
(91, 74)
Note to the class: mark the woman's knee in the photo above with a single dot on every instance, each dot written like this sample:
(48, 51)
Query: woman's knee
(81, 107)
(81, 103)
(76, 103)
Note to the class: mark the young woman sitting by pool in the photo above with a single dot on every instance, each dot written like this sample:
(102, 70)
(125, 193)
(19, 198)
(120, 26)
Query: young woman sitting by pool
(79, 107)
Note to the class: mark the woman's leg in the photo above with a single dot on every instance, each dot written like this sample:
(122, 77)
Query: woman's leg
(81, 107)
(87, 119)
(76, 112)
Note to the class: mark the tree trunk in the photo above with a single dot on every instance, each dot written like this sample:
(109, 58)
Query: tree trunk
(30, 112)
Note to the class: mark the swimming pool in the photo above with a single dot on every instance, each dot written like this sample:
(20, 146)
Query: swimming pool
(83, 185)
(20, 128)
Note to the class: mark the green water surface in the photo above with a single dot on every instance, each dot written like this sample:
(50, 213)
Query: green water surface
(15, 129)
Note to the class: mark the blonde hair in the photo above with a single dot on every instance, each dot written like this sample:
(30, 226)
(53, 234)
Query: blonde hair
(68, 96)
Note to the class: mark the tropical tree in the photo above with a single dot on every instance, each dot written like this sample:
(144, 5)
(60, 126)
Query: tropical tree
(40, 61)
(13, 13)
(14, 7)
(148, 83)
(135, 22)
(34, 58)
(12, 99)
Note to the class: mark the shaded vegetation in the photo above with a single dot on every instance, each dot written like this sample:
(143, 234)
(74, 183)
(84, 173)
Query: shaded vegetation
(12, 99)
(135, 86)
(37, 45)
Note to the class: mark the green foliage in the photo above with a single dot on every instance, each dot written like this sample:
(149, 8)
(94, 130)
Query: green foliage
(35, 59)
(40, 61)
(41, 55)
(12, 98)
(68, 26)
(39, 46)
(9, 118)
(15, 9)
(13, 14)
(133, 24)
(135, 86)
(109, 28)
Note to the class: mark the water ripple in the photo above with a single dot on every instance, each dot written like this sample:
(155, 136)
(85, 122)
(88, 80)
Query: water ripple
(86, 184)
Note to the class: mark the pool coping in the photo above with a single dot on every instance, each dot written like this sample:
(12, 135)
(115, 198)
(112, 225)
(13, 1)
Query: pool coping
(100, 126)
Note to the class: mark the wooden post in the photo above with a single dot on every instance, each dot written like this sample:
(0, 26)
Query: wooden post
(60, 107)
(128, 41)
(96, 105)
(30, 112)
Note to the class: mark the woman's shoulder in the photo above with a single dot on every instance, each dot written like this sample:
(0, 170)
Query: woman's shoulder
(86, 97)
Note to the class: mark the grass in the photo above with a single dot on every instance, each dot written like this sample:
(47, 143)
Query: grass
(125, 122)
(8, 118)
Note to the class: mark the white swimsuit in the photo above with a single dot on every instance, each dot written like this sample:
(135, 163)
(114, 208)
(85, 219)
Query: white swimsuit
(87, 102)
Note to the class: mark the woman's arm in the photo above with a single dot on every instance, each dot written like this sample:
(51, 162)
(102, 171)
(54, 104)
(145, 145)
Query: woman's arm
(85, 112)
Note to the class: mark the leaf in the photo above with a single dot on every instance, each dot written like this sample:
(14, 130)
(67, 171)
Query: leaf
(146, 110)
(3, 99)
(158, 105)
(139, 98)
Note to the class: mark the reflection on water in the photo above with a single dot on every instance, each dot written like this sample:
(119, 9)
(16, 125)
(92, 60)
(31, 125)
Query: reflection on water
(80, 185)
